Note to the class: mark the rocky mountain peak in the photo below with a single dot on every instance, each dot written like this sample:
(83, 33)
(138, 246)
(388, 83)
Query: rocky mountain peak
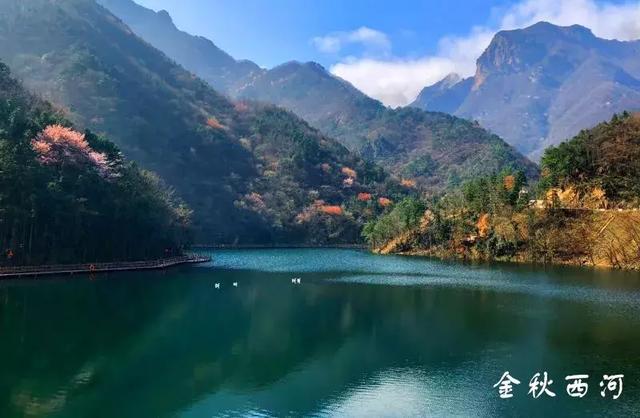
(164, 16)
(542, 84)
(519, 50)
(450, 80)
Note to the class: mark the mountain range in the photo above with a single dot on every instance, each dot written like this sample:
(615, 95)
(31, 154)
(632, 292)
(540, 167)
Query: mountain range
(329, 158)
(251, 173)
(541, 85)
(433, 149)
(528, 87)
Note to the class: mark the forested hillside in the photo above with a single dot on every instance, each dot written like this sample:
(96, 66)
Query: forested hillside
(68, 197)
(585, 211)
(605, 158)
(433, 150)
(251, 174)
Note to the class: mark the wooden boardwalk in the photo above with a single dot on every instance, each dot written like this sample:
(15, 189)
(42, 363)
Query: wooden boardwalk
(37, 271)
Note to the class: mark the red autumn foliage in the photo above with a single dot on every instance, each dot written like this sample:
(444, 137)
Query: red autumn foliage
(384, 202)
(59, 145)
(212, 122)
(364, 197)
(331, 210)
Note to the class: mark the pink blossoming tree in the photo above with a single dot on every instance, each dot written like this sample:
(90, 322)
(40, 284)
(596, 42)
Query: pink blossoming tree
(59, 146)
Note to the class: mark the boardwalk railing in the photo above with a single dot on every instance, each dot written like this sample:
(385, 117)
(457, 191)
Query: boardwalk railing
(19, 271)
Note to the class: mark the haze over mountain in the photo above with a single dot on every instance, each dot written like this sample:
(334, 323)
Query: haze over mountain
(199, 55)
(432, 148)
(250, 173)
(541, 85)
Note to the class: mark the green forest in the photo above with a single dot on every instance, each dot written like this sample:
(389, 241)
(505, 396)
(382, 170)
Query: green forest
(68, 197)
(606, 157)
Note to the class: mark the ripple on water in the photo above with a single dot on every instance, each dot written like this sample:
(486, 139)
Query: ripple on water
(538, 288)
(411, 391)
(356, 266)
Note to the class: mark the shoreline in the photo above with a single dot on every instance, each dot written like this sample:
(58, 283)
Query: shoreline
(90, 268)
(603, 239)
(273, 246)
(578, 263)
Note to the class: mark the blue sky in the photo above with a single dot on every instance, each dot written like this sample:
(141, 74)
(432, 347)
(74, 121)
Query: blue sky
(270, 32)
(388, 49)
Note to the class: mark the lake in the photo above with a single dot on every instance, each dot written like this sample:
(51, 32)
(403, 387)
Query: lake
(361, 335)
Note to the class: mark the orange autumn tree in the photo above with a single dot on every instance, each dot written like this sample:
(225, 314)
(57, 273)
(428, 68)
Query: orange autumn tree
(509, 182)
(60, 146)
(349, 172)
(409, 183)
(318, 207)
(384, 202)
(364, 197)
(331, 210)
(483, 225)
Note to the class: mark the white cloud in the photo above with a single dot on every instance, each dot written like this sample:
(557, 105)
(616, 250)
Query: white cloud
(397, 81)
(371, 39)
(394, 82)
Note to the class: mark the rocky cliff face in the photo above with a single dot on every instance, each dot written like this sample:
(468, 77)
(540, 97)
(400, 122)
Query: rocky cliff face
(540, 85)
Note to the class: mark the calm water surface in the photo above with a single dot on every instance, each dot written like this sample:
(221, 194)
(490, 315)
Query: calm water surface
(362, 335)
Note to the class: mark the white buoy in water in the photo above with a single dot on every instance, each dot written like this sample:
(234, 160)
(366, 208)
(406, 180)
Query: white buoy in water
(217, 285)
(235, 284)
